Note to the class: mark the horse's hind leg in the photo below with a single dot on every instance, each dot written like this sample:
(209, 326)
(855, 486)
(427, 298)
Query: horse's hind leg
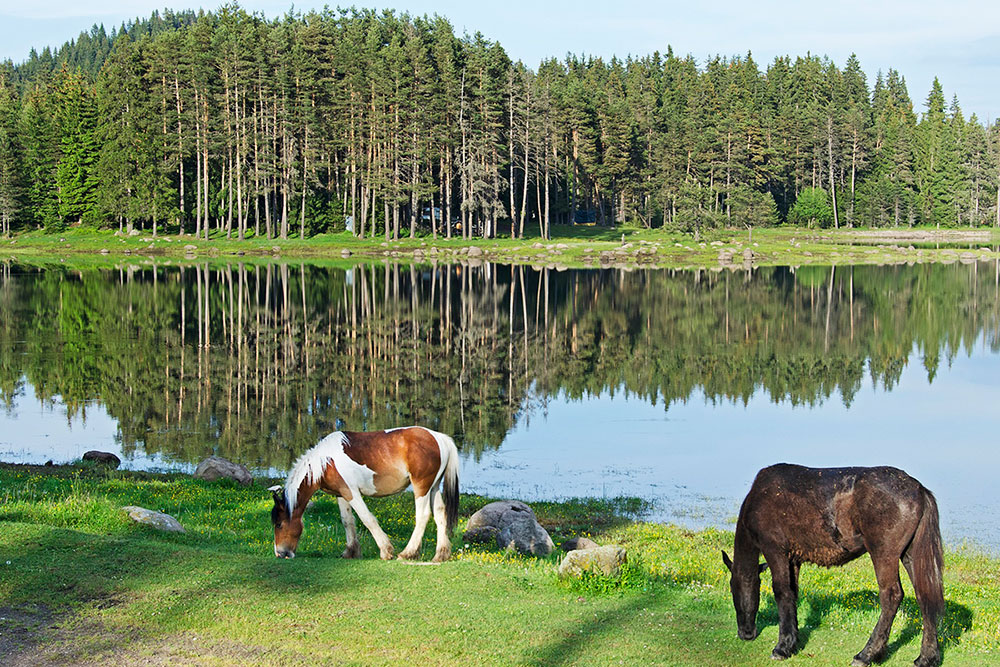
(423, 513)
(443, 551)
(353, 549)
(890, 595)
(386, 551)
(930, 654)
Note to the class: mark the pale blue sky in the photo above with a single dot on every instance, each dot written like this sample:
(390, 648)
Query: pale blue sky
(958, 41)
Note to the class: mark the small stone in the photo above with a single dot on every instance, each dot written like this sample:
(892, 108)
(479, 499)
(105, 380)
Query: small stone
(575, 543)
(475, 251)
(157, 520)
(103, 458)
(105, 251)
(606, 560)
(190, 247)
(215, 467)
(345, 253)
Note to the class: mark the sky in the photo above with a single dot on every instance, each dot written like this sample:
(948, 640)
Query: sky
(959, 41)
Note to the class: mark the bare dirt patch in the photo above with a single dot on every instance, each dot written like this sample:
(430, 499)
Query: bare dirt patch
(34, 636)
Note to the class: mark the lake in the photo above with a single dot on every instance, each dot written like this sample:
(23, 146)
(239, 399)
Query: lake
(674, 386)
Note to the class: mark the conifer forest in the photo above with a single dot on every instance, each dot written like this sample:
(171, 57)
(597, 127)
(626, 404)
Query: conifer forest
(230, 124)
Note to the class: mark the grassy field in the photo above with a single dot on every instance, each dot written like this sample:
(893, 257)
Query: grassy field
(571, 246)
(81, 584)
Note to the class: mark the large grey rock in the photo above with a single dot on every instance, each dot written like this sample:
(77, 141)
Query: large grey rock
(215, 467)
(578, 543)
(157, 520)
(607, 560)
(104, 458)
(512, 525)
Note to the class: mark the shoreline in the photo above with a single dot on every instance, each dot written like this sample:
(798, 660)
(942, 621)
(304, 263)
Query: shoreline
(570, 247)
(649, 514)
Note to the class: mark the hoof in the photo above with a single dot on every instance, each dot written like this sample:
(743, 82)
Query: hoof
(780, 653)
(442, 555)
(352, 552)
(859, 662)
(927, 662)
(387, 554)
(409, 555)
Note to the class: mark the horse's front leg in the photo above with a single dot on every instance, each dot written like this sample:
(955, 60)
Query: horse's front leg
(784, 580)
(353, 549)
(386, 552)
(890, 595)
(422, 514)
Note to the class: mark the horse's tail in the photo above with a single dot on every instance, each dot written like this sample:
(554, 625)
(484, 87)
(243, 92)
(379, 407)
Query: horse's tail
(450, 485)
(926, 557)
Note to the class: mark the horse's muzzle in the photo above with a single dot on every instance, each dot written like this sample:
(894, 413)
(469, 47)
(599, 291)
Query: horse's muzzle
(283, 553)
(747, 635)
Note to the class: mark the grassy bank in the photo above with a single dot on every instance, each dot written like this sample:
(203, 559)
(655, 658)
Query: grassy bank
(81, 584)
(571, 246)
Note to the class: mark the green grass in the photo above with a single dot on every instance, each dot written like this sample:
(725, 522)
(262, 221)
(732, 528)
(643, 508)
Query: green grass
(80, 583)
(571, 246)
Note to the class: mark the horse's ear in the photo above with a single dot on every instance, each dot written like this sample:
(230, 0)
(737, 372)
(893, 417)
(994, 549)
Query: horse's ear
(725, 561)
(278, 492)
(761, 568)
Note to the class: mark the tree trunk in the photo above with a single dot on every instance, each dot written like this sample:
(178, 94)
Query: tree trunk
(833, 184)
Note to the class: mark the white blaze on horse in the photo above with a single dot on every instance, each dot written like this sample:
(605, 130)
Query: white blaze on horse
(352, 465)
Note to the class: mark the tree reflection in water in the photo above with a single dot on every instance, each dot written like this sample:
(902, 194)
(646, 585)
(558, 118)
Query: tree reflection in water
(256, 361)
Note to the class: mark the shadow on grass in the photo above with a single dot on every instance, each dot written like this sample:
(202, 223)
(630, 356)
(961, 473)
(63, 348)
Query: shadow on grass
(59, 580)
(603, 627)
(955, 620)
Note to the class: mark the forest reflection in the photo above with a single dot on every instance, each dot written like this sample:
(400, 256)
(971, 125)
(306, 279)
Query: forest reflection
(255, 362)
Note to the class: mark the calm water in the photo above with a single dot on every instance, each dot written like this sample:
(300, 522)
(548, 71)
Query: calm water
(673, 386)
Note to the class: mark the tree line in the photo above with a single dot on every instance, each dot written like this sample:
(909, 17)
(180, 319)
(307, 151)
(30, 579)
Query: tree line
(230, 124)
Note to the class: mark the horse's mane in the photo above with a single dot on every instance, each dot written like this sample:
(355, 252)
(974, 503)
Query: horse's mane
(310, 466)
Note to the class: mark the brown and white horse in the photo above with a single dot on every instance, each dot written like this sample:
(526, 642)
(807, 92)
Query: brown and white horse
(351, 465)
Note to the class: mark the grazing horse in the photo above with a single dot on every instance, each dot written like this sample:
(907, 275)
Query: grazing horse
(830, 516)
(352, 465)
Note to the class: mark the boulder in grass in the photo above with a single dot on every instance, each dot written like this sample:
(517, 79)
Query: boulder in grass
(157, 520)
(575, 543)
(104, 458)
(511, 525)
(216, 467)
(607, 560)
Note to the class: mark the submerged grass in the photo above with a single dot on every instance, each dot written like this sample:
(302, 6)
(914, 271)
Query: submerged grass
(80, 583)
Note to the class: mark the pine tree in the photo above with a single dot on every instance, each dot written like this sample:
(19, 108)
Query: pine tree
(76, 181)
(11, 158)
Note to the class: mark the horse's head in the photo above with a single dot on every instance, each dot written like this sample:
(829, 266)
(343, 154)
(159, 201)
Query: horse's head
(287, 529)
(745, 585)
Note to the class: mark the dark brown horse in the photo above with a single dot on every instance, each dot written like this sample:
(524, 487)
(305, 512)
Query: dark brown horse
(830, 516)
(382, 463)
